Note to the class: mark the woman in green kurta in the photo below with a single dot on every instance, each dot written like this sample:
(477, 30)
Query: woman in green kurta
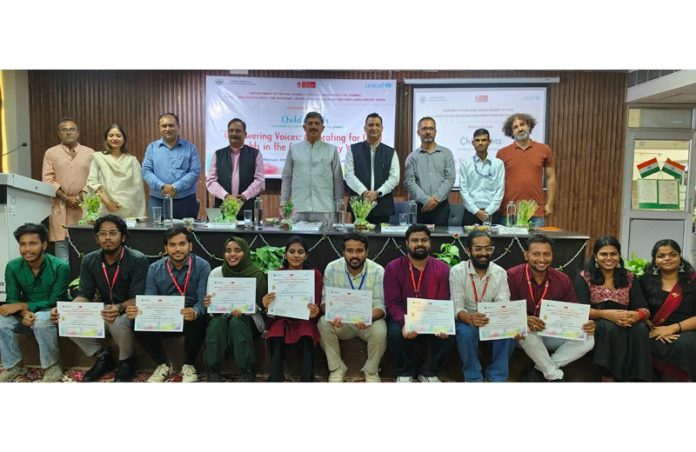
(235, 332)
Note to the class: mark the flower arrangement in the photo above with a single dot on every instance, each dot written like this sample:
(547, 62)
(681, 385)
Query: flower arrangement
(525, 211)
(286, 215)
(90, 204)
(361, 209)
(230, 208)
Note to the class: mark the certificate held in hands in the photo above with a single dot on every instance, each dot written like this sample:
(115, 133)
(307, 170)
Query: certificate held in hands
(426, 316)
(229, 294)
(159, 313)
(80, 319)
(505, 320)
(564, 320)
(348, 305)
(294, 290)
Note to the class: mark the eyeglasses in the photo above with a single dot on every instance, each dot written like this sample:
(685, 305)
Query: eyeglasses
(488, 249)
(103, 234)
(70, 130)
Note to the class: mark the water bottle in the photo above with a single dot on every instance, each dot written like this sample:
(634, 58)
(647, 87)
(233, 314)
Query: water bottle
(258, 212)
(510, 214)
(412, 212)
(168, 210)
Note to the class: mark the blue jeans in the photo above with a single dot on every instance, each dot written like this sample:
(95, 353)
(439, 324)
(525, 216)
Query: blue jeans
(402, 351)
(467, 343)
(46, 336)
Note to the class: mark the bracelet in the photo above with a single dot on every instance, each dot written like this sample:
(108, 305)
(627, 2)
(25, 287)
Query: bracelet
(641, 315)
(679, 325)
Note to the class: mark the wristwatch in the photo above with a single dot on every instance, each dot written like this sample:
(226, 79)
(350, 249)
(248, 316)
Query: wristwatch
(121, 308)
(379, 194)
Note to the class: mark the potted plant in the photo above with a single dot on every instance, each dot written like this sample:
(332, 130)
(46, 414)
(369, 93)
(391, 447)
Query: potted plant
(636, 264)
(268, 258)
(286, 216)
(90, 204)
(361, 209)
(450, 252)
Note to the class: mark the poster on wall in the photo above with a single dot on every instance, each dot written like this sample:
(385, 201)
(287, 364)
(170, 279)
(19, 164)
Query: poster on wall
(274, 109)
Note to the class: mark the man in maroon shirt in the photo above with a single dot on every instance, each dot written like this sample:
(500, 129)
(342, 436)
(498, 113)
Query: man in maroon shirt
(415, 275)
(534, 281)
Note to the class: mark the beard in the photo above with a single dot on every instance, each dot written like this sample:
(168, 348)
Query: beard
(418, 253)
(480, 265)
(522, 136)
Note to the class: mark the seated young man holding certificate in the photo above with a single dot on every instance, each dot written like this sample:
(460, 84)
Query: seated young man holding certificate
(416, 275)
(475, 281)
(34, 283)
(113, 275)
(353, 300)
(536, 281)
(180, 273)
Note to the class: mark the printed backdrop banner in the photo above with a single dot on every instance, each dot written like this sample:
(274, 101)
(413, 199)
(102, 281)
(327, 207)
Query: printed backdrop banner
(274, 109)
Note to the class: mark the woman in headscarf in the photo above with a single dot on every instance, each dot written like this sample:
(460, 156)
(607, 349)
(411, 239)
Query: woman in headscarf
(283, 331)
(235, 332)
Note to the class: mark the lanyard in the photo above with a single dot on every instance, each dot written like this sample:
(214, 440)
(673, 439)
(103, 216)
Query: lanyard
(473, 286)
(186, 281)
(362, 281)
(490, 169)
(112, 283)
(537, 305)
(417, 288)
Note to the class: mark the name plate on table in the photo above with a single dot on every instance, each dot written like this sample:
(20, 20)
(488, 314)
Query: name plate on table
(389, 229)
(508, 230)
(307, 226)
(221, 225)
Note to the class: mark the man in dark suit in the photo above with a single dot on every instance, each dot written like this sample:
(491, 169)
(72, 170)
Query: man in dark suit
(372, 170)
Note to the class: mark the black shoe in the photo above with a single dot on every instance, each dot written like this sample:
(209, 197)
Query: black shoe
(214, 376)
(103, 365)
(126, 370)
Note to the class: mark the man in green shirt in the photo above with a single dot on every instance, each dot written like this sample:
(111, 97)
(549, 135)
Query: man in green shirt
(34, 283)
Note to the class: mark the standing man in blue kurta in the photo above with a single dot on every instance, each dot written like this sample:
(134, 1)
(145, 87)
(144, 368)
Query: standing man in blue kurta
(171, 167)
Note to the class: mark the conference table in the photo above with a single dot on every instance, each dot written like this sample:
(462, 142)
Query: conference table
(326, 245)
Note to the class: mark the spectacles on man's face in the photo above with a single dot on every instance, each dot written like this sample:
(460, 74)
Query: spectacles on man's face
(104, 234)
(70, 130)
(479, 249)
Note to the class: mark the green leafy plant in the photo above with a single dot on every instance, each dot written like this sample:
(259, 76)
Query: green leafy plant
(449, 254)
(90, 204)
(361, 209)
(636, 264)
(525, 211)
(230, 208)
(267, 258)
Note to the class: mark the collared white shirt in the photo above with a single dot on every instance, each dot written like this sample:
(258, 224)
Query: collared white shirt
(482, 183)
(462, 291)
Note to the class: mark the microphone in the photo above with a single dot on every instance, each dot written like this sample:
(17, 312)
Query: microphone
(10, 152)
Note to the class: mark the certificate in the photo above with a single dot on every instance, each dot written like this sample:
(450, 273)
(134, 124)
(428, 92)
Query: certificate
(229, 294)
(429, 316)
(564, 320)
(294, 290)
(159, 313)
(80, 319)
(348, 305)
(505, 320)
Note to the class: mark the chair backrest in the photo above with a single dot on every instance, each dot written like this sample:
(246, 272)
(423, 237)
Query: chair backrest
(456, 215)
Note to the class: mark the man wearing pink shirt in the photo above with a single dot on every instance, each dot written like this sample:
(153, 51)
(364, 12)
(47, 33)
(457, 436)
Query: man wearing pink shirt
(236, 170)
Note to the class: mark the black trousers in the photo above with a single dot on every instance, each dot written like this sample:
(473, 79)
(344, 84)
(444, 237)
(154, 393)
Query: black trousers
(439, 216)
(277, 346)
